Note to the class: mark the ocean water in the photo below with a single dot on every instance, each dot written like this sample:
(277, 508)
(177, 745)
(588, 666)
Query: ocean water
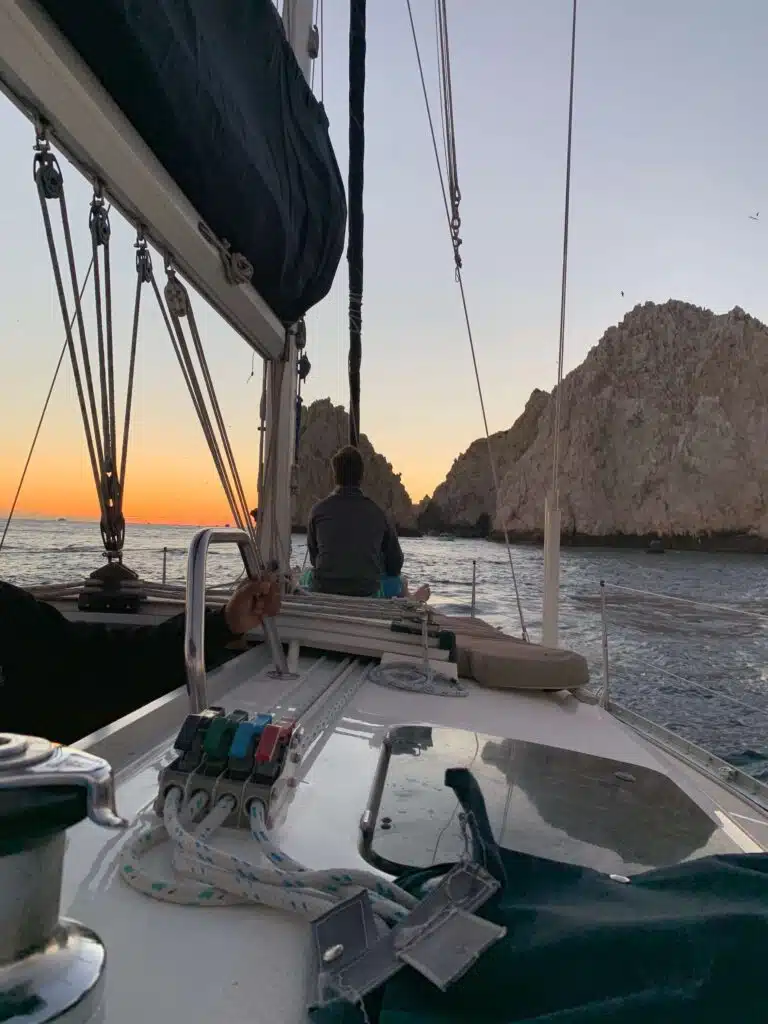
(687, 632)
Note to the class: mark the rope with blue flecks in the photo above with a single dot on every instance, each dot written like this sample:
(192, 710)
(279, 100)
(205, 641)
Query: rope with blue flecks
(213, 877)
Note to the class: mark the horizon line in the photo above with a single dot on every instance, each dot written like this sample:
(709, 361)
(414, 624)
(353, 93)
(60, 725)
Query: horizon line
(130, 521)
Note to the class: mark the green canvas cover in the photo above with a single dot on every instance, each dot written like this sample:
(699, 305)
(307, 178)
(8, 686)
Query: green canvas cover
(686, 944)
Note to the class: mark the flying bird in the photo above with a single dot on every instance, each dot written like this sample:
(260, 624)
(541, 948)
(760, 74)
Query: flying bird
(755, 217)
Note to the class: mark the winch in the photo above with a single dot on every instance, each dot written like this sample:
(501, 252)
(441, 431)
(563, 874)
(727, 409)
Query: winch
(51, 968)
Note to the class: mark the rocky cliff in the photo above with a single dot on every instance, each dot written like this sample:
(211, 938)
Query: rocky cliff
(664, 430)
(466, 500)
(324, 429)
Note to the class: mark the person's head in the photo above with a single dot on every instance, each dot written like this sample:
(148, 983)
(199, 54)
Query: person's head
(347, 467)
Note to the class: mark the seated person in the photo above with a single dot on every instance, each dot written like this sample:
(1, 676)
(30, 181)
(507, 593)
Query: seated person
(352, 543)
(63, 680)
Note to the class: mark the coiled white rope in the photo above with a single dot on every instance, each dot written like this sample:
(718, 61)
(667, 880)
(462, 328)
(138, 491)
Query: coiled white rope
(213, 877)
(417, 680)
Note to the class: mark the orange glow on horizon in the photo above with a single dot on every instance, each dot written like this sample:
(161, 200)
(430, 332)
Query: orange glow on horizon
(158, 494)
(170, 497)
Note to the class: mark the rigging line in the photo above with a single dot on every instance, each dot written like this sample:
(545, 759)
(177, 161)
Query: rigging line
(491, 456)
(709, 689)
(450, 138)
(83, 338)
(457, 808)
(270, 468)
(189, 374)
(322, 54)
(49, 181)
(143, 275)
(194, 393)
(262, 428)
(97, 229)
(176, 297)
(315, 9)
(429, 112)
(266, 493)
(174, 343)
(42, 415)
(440, 83)
(239, 490)
(355, 252)
(110, 353)
(460, 282)
(112, 525)
(98, 223)
(564, 282)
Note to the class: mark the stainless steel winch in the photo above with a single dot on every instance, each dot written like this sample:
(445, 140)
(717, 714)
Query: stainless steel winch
(51, 968)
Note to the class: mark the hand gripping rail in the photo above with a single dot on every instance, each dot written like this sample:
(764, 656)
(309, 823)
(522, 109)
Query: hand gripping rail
(194, 629)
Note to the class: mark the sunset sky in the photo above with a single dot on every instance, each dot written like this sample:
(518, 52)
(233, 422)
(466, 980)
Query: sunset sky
(670, 158)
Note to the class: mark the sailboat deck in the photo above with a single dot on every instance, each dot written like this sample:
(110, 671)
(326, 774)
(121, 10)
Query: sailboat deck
(248, 963)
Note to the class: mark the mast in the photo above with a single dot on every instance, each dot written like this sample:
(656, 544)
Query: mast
(357, 48)
(275, 518)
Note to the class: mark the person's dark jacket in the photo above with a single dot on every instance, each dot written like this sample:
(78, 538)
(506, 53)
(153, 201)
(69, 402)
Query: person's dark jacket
(352, 543)
(63, 680)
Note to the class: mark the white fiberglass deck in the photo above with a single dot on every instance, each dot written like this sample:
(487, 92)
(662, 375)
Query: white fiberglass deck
(247, 964)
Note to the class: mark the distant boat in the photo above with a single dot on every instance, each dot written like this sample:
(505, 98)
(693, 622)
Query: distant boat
(655, 547)
(445, 536)
(61, 519)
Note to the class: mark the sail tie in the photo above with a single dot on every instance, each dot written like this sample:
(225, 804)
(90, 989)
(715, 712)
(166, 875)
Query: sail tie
(237, 268)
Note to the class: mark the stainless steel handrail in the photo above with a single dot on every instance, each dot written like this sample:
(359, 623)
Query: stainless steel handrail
(194, 629)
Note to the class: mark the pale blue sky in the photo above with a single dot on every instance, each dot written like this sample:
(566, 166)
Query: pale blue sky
(670, 157)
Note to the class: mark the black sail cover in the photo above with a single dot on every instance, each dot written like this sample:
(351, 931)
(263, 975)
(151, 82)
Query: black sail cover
(215, 91)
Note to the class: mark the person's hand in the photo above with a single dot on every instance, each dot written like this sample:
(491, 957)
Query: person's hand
(252, 602)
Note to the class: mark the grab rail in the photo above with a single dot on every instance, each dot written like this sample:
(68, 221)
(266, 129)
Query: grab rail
(194, 628)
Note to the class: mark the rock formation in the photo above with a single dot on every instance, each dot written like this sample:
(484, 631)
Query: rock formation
(664, 430)
(324, 429)
(466, 501)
